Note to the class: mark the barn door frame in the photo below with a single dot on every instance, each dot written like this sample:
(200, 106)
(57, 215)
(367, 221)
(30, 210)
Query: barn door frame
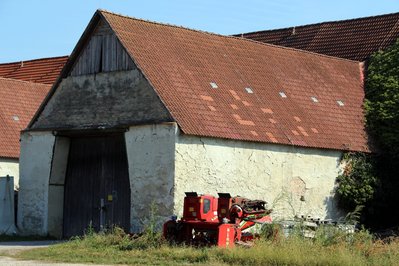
(58, 175)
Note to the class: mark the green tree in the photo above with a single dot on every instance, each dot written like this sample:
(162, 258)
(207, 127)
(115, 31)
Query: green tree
(373, 180)
(356, 185)
(382, 100)
(382, 121)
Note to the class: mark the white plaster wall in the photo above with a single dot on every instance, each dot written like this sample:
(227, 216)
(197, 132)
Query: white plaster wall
(279, 174)
(35, 165)
(10, 167)
(151, 154)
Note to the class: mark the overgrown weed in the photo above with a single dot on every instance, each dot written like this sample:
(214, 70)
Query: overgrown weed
(329, 246)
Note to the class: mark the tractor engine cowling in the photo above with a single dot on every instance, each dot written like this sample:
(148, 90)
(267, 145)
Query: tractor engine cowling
(200, 207)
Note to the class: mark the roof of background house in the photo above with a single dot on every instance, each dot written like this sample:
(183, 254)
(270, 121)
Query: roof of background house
(44, 70)
(354, 39)
(264, 93)
(19, 101)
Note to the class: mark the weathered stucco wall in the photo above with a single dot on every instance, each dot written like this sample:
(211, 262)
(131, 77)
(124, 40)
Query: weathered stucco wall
(10, 167)
(293, 180)
(35, 165)
(151, 154)
(112, 99)
(164, 164)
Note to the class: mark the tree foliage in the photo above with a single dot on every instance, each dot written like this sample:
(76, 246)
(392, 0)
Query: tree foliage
(382, 100)
(373, 180)
(356, 185)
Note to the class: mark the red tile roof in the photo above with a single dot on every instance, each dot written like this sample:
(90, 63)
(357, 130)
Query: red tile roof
(181, 63)
(354, 39)
(44, 70)
(234, 88)
(19, 101)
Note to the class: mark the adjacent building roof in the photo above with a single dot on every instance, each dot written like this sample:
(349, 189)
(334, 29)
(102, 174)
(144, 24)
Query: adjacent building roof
(234, 88)
(354, 39)
(19, 101)
(44, 70)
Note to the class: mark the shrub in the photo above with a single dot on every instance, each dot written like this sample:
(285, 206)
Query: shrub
(357, 183)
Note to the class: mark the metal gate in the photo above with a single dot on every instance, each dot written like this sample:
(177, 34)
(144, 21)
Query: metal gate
(97, 187)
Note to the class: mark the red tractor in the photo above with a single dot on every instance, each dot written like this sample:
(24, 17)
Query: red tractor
(208, 220)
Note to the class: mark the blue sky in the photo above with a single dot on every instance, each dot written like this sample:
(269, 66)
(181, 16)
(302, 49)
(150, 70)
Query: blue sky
(32, 29)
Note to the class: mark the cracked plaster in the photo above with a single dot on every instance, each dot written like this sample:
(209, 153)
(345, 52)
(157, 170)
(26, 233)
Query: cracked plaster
(279, 174)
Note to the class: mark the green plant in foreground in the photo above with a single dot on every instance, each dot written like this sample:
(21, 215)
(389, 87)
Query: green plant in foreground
(329, 247)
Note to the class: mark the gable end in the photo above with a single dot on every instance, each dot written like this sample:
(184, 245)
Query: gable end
(100, 88)
(103, 52)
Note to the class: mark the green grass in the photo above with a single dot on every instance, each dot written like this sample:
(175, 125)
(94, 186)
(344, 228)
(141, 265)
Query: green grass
(330, 247)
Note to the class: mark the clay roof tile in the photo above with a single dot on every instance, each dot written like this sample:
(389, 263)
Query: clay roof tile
(354, 39)
(44, 70)
(19, 101)
(190, 60)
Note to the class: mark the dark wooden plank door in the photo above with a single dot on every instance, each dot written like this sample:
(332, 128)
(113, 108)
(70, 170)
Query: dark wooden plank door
(97, 171)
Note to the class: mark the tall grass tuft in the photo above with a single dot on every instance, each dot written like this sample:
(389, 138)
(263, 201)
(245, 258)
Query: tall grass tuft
(329, 246)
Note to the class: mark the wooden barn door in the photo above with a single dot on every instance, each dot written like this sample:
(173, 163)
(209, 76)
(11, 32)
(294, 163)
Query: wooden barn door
(97, 187)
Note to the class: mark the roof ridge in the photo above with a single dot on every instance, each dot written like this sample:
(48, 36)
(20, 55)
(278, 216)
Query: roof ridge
(227, 36)
(32, 60)
(24, 81)
(294, 49)
(322, 23)
(159, 23)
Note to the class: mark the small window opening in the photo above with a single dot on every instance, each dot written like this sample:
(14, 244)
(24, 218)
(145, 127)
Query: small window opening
(314, 99)
(282, 94)
(249, 90)
(340, 103)
(214, 85)
(207, 205)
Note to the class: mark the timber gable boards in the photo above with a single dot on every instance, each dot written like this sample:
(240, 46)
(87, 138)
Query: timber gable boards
(102, 53)
(103, 89)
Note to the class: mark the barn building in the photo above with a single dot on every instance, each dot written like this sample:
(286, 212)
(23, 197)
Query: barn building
(143, 112)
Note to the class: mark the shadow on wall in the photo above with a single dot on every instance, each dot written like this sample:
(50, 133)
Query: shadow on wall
(16, 206)
(334, 212)
(7, 209)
